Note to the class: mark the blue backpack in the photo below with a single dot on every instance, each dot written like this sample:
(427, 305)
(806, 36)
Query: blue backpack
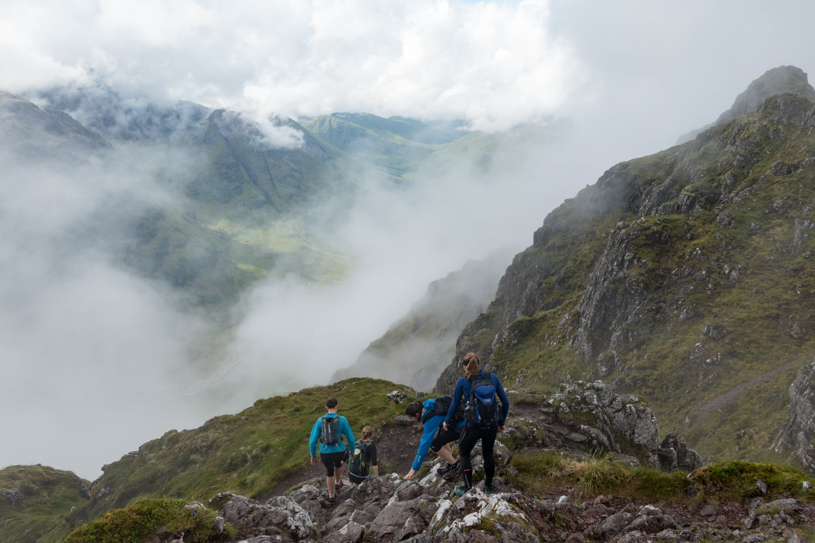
(482, 408)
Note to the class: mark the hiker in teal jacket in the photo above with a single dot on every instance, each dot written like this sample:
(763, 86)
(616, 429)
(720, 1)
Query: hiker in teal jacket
(333, 454)
(434, 438)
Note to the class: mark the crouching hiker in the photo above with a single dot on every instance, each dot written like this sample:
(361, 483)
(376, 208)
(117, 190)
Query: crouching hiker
(329, 429)
(480, 390)
(364, 458)
(432, 414)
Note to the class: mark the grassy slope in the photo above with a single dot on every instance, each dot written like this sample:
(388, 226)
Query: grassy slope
(246, 453)
(48, 496)
(665, 356)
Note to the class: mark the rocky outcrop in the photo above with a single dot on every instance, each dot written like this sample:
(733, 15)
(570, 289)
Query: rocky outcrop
(797, 438)
(13, 495)
(589, 417)
(784, 79)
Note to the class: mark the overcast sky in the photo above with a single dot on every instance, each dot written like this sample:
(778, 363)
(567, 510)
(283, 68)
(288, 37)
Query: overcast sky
(629, 77)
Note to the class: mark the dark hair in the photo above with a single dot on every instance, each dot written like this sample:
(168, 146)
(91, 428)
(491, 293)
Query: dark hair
(331, 402)
(413, 409)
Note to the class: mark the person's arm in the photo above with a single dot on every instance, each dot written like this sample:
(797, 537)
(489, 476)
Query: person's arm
(504, 400)
(430, 428)
(315, 437)
(451, 411)
(349, 436)
(372, 458)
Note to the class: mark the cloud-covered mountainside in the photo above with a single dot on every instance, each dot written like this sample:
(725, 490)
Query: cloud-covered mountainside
(680, 279)
(683, 277)
(420, 345)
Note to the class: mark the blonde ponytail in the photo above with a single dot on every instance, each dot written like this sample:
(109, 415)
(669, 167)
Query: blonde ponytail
(471, 364)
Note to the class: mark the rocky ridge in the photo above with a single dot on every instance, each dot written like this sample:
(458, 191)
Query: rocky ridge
(679, 277)
(424, 510)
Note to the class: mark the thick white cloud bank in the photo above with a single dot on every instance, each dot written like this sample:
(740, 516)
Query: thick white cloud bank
(629, 77)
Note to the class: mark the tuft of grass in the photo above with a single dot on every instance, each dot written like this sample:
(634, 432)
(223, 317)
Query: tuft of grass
(737, 479)
(140, 521)
(732, 481)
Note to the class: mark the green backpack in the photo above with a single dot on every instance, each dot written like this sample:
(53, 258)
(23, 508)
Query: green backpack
(359, 465)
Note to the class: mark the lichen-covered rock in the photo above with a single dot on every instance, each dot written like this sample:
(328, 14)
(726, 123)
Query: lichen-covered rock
(797, 438)
(251, 519)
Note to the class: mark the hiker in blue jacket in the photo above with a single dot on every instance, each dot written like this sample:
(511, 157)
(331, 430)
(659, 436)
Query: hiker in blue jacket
(478, 425)
(329, 430)
(434, 437)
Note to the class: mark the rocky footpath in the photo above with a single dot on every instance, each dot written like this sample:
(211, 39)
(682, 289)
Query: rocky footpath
(388, 509)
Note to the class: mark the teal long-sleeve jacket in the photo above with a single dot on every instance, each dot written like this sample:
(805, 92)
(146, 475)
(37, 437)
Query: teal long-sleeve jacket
(317, 434)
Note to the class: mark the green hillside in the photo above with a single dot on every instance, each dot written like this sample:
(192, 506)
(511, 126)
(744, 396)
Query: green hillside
(395, 145)
(35, 502)
(683, 277)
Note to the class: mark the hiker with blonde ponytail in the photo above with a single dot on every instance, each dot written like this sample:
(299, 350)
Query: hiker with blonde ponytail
(364, 457)
(479, 391)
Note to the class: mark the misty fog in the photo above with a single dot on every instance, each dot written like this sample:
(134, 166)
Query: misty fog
(96, 360)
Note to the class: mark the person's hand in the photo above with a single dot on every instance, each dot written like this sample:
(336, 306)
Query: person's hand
(351, 458)
(501, 428)
(313, 459)
(445, 426)
(410, 474)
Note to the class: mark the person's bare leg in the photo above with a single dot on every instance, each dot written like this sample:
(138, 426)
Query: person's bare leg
(329, 482)
(338, 474)
(446, 453)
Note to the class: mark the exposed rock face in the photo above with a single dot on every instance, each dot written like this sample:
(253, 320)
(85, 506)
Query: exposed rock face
(776, 81)
(798, 435)
(13, 495)
(589, 417)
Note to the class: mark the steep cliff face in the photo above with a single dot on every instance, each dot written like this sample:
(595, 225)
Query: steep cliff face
(683, 277)
(797, 438)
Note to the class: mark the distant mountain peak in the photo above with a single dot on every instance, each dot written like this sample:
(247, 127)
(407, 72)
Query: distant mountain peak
(781, 80)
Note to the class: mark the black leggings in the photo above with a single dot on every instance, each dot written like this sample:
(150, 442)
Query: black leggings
(469, 438)
(331, 461)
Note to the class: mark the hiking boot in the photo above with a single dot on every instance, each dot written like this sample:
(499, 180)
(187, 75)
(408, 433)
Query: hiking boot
(453, 473)
(488, 490)
(460, 491)
(339, 485)
(441, 470)
(332, 499)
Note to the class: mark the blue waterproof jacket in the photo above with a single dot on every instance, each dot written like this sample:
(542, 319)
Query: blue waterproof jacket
(430, 427)
(317, 433)
(463, 389)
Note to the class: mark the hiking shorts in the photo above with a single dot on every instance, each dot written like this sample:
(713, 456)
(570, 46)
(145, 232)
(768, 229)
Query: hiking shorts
(443, 437)
(332, 461)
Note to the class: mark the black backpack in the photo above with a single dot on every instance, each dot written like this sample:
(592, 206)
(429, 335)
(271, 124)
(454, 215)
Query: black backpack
(440, 408)
(482, 409)
(359, 465)
(331, 430)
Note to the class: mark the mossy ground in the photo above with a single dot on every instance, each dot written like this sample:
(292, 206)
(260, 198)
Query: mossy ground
(546, 472)
(140, 521)
(48, 497)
